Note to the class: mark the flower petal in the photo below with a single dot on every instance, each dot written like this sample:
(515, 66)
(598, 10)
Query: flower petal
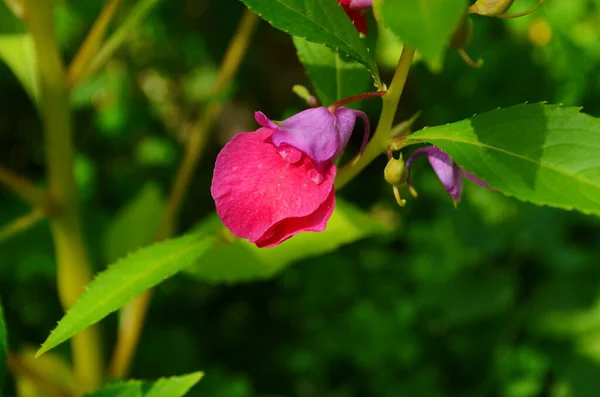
(475, 179)
(314, 132)
(447, 171)
(346, 120)
(315, 222)
(357, 17)
(360, 4)
(264, 121)
(255, 188)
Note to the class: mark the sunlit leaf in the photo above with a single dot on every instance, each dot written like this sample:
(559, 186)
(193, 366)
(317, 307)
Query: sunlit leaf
(124, 280)
(318, 21)
(176, 386)
(545, 154)
(18, 53)
(242, 261)
(332, 76)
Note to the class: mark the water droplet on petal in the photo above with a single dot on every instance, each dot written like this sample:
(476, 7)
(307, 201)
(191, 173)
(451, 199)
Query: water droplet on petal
(315, 176)
(290, 154)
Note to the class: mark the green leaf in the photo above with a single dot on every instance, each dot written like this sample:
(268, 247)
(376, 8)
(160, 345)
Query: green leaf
(135, 225)
(16, 50)
(132, 388)
(333, 77)
(426, 25)
(124, 280)
(3, 349)
(175, 386)
(318, 21)
(545, 154)
(18, 53)
(242, 261)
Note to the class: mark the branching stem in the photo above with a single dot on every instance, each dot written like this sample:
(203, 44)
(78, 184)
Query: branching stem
(381, 137)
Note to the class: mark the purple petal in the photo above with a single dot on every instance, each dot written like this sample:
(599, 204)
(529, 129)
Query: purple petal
(313, 132)
(318, 133)
(475, 179)
(447, 171)
(346, 121)
(264, 121)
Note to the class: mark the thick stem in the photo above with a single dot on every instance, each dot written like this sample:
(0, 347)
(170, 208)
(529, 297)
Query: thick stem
(134, 314)
(73, 267)
(381, 137)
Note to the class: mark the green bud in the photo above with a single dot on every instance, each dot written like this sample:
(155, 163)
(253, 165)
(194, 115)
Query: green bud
(395, 172)
(491, 8)
(498, 8)
(305, 94)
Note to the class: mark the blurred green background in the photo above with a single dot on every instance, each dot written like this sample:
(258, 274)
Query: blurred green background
(495, 298)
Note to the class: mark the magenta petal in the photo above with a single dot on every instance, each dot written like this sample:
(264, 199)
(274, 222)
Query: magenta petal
(264, 121)
(255, 189)
(313, 132)
(315, 222)
(475, 179)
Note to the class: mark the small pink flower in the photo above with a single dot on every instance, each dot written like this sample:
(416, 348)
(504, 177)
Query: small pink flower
(355, 9)
(277, 181)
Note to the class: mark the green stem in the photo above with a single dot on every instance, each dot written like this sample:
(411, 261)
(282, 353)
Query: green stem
(381, 137)
(73, 266)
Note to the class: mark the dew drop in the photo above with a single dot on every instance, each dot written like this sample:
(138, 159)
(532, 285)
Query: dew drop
(316, 176)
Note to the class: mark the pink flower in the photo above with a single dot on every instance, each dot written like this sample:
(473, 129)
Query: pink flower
(355, 9)
(277, 181)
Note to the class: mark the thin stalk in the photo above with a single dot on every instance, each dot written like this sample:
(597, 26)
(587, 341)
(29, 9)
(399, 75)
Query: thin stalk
(22, 187)
(22, 223)
(134, 313)
(88, 50)
(381, 137)
(139, 11)
(73, 266)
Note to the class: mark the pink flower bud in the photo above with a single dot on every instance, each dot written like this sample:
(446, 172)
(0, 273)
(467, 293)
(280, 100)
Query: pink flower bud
(355, 9)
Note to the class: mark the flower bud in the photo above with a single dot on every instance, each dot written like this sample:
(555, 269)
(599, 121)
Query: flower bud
(498, 8)
(491, 8)
(395, 172)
